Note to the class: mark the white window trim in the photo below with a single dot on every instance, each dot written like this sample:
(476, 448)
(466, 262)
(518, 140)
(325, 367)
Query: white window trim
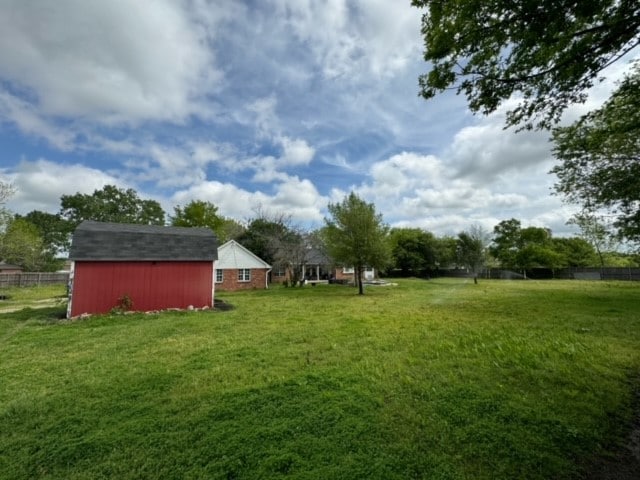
(348, 270)
(219, 273)
(244, 275)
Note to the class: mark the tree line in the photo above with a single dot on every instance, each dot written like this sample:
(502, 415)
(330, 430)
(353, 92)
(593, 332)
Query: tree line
(354, 234)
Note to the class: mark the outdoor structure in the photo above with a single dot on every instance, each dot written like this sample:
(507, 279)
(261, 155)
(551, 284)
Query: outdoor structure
(140, 267)
(8, 268)
(320, 268)
(317, 268)
(347, 275)
(238, 268)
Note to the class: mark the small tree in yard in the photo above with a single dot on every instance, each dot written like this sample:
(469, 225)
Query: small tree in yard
(471, 249)
(355, 235)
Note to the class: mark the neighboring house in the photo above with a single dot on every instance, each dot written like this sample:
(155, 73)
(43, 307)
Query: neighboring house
(347, 274)
(8, 268)
(238, 268)
(317, 268)
(140, 267)
(320, 268)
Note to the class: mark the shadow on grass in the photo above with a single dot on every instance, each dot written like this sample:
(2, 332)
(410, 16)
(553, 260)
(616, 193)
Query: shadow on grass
(37, 315)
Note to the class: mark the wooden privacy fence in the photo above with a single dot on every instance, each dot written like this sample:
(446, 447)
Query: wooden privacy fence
(33, 279)
(577, 273)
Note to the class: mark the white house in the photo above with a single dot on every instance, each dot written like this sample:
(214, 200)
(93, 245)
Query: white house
(238, 268)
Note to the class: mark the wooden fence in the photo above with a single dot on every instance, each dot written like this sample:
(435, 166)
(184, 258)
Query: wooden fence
(33, 279)
(577, 273)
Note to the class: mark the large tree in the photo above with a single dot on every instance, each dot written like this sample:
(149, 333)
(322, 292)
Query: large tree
(575, 252)
(445, 250)
(21, 244)
(506, 242)
(111, 204)
(536, 249)
(199, 213)
(274, 238)
(600, 158)
(545, 53)
(412, 250)
(53, 229)
(356, 236)
(522, 248)
(263, 236)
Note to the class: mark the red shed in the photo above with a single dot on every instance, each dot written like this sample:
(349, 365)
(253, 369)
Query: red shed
(154, 267)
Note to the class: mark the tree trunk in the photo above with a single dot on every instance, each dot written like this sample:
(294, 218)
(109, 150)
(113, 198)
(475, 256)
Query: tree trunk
(359, 280)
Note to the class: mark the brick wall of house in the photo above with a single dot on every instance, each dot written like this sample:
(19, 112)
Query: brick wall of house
(343, 277)
(230, 280)
(279, 278)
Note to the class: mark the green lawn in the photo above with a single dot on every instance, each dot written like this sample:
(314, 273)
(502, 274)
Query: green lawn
(437, 379)
(35, 297)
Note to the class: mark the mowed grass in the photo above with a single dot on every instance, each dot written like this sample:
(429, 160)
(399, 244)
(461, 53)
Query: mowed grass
(437, 379)
(34, 297)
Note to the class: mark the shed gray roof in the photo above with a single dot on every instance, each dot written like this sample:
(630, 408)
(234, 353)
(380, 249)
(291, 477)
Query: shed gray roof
(126, 242)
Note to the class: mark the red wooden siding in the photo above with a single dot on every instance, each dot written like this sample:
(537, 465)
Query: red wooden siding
(150, 285)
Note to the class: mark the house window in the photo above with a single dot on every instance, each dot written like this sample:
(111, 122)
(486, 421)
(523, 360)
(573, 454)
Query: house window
(244, 275)
(347, 270)
(219, 276)
(280, 271)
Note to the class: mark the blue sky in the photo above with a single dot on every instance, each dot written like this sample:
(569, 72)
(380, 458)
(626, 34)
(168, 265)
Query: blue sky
(277, 105)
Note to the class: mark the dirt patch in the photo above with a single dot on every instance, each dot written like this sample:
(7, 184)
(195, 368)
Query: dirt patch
(37, 304)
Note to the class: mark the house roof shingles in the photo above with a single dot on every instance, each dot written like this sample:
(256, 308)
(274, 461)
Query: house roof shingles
(104, 241)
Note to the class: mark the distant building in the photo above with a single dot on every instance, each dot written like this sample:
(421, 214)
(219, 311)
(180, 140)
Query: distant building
(8, 268)
(238, 268)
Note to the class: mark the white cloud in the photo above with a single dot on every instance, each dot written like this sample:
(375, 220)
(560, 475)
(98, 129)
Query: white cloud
(404, 172)
(295, 197)
(296, 151)
(267, 170)
(300, 199)
(262, 114)
(231, 200)
(352, 40)
(486, 150)
(41, 183)
(29, 121)
(107, 61)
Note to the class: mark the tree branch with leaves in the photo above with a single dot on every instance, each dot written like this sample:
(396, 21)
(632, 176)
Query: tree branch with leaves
(600, 158)
(546, 54)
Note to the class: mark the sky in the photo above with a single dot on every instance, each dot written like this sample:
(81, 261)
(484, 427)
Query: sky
(274, 106)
